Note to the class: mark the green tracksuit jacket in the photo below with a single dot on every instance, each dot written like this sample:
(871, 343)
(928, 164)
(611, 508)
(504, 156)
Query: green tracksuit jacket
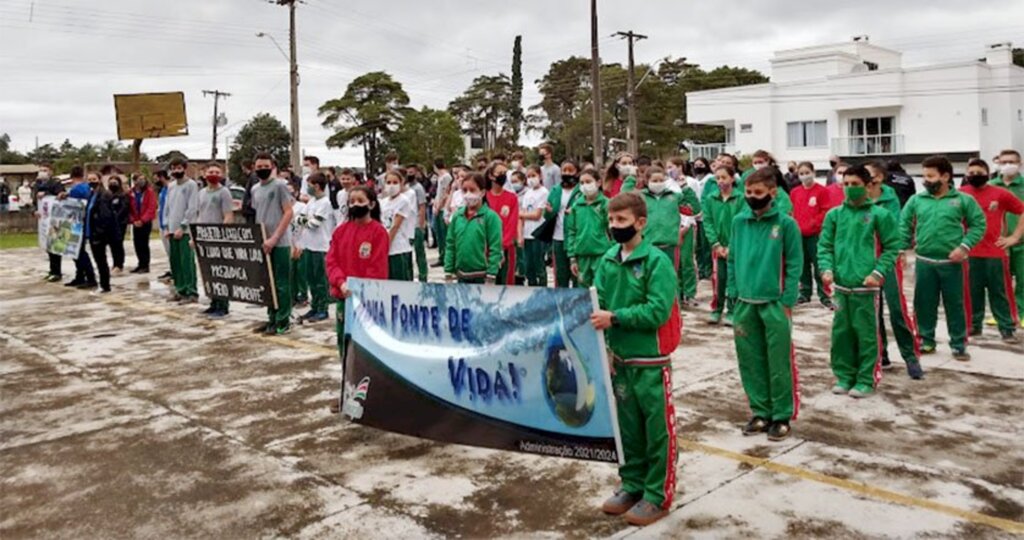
(663, 211)
(718, 216)
(555, 199)
(849, 239)
(586, 228)
(936, 225)
(474, 245)
(765, 258)
(903, 326)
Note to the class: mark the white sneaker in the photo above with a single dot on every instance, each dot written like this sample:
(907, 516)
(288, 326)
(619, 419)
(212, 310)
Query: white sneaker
(839, 390)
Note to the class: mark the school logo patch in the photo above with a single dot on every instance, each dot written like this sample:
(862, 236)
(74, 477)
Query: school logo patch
(993, 206)
(365, 250)
(505, 210)
(813, 201)
(775, 232)
(638, 270)
(954, 202)
(866, 218)
(738, 330)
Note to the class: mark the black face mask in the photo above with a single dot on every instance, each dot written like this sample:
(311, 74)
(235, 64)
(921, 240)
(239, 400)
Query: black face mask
(178, 175)
(500, 179)
(569, 180)
(832, 164)
(933, 187)
(622, 234)
(263, 174)
(759, 203)
(116, 188)
(977, 180)
(93, 184)
(358, 211)
(699, 170)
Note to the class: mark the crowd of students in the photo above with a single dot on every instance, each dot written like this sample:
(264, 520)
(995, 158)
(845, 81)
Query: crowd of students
(644, 233)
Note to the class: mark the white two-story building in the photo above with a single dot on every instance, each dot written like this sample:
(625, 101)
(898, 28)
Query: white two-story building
(855, 100)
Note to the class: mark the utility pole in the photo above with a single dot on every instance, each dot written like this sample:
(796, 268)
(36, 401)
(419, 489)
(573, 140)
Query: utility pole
(631, 93)
(595, 82)
(296, 153)
(217, 94)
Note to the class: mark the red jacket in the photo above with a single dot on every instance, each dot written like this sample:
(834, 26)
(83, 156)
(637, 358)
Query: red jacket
(612, 187)
(835, 195)
(506, 206)
(357, 250)
(995, 202)
(809, 207)
(147, 211)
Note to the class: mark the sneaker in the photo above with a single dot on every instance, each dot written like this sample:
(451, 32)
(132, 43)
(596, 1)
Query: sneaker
(143, 270)
(927, 349)
(728, 320)
(755, 425)
(860, 392)
(282, 330)
(827, 302)
(886, 363)
(74, 283)
(620, 503)
(803, 300)
(264, 328)
(53, 278)
(961, 356)
(100, 291)
(189, 300)
(991, 321)
(165, 275)
(316, 317)
(915, 371)
(175, 298)
(270, 329)
(840, 390)
(438, 264)
(779, 430)
(644, 513)
(208, 310)
(87, 285)
(217, 315)
(116, 272)
(1009, 338)
(300, 303)
(975, 332)
(714, 317)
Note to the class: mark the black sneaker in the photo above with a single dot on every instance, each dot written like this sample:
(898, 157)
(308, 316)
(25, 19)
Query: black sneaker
(74, 283)
(803, 300)
(270, 329)
(217, 314)
(165, 275)
(87, 285)
(779, 431)
(620, 503)
(827, 302)
(886, 363)
(914, 370)
(316, 317)
(53, 278)
(756, 425)
(975, 332)
(438, 264)
(208, 310)
(1009, 338)
(961, 356)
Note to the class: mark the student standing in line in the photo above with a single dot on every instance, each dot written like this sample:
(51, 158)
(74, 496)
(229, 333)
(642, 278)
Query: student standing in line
(858, 248)
(719, 211)
(765, 259)
(531, 213)
(1011, 179)
(142, 213)
(300, 288)
(414, 190)
(214, 206)
(903, 326)
(810, 204)
(560, 199)
(316, 238)
(506, 204)
(942, 225)
(639, 313)
(181, 211)
(989, 259)
(551, 173)
(443, 180)
(163, 186)
(120, 204)
(273, 204)
(517, 183)
(104, 231)
(703, 174)
(55, 188)
(586, 230)
(85, 277)
(474, 250)
(616, 174)
(398, 214)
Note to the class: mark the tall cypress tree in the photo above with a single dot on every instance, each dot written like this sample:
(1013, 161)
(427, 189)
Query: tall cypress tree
(516, 105)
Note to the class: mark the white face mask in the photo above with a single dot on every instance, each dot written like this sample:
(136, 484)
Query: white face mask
(517, 186)
(473, 200)
(306, 171)
(807, 179)
(516, 165)
(759, 166)
(1009, 170)
(656, 187)
(627, 170)
(533, 181)
(589, 189)
(392, 189)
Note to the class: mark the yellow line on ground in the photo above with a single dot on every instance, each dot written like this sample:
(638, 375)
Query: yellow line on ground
(764, 463)
(857, 487)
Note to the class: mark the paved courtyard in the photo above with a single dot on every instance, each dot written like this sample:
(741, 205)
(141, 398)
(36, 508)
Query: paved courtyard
(127, 416)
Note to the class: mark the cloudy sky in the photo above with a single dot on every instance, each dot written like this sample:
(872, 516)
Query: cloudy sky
(62, 60)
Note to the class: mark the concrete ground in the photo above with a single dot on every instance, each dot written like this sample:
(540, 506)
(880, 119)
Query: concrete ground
(126, 416)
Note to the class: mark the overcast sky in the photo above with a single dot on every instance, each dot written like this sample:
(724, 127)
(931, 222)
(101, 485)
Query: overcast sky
(62, 60)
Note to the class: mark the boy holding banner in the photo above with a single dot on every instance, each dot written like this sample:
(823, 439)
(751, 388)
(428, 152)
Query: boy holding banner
(639, 312)
(273, 205)
(214, 206)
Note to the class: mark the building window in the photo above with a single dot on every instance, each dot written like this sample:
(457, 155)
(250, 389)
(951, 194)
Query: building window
(730, 135)
(812, 134)
(875, 135)
(984, 116)
(746, 128)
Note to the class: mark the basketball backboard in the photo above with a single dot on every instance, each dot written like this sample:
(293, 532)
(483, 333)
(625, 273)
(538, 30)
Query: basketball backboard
(150, 116)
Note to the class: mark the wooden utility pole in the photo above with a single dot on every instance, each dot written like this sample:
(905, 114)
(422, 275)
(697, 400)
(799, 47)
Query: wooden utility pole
(595, 82)
(217, 94)
(294, 72)
(631, 136)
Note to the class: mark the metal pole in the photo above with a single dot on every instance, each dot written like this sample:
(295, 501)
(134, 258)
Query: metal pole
(217, 94)
(296, 157)
(631, 129)
(595, 82)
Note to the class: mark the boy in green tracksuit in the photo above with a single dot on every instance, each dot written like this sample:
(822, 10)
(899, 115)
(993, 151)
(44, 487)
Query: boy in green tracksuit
(719, 211)
(664, 208)
(857, 248)
(639, 312)
(473, 253)
(765, 262)
(560, 201)
(933, 224)
(586, 231)
(903, 325)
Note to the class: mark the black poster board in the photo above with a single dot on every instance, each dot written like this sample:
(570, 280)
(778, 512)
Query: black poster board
(233, 264)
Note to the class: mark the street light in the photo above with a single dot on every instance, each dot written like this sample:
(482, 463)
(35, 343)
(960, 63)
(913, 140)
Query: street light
(266, 35)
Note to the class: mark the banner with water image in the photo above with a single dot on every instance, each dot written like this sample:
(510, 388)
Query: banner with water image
(65, 222)
(511, 368)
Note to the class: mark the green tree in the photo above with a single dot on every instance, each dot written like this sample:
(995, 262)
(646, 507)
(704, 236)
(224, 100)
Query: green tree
(483, 110)
(368, 114)
(516, 101)
(263, 133)
(563, 114)
(8, 156)
(428, 134)
(166, 157)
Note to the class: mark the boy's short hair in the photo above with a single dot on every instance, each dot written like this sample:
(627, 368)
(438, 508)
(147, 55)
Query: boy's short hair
(312, 159)
(517, 156)
(439, 163)
(628, 200)
(939, 163)
(978, 162)
(643, 160)
(77, 172)
(765, 176)
(263, 155)
(548, 147)
(677, 161)
(213, 164)
(391, 156)
(519, 175)
(654, 169)
(178, 162)
(318, 179)
(860, 171)
(1009, 152)
(763, 154)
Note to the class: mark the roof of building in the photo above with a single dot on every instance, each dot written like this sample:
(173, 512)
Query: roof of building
(28, 168)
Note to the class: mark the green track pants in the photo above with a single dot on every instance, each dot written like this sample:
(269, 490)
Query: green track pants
(992, 276)
(316, 279)
(440, 234)
(281, 266)
(533, 260)
(400, 267)
(587, 265)
(1017, 272)
(563, 276)
(764, 348)
(339, 328)
(643, 397)
(945, 281)
(300, 287)
(856, 348)
(419, 245)
(811, 275)
(688, 265)
(183, 267)
(703, 253)
(904, 328)
(719, 279)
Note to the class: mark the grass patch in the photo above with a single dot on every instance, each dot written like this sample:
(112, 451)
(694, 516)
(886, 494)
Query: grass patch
(18, 240)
